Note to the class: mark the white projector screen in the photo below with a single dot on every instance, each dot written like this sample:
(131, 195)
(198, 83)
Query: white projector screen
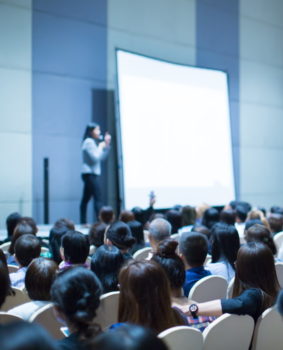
(175, 136)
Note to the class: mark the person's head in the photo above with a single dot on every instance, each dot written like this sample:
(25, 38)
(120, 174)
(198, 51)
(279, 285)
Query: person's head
(250, 223)
(246, 206)
(255, 269)
(225, 243)
(39, 278)
(145, 296)
(4, 283)
(96, 234)
(120, 235)
(64, 223)
(193, 247)
(228, 216)
(172, 264)
(275, 222)
(259, 233)
(241, 213)
(255, 214)
(139, 214)
(92, 130)
(202, 229)
(106, 215)
(106, 263)
(189, 215)
(11, 222)
(210, 217)
(126, 216)
(25, 336)
(76, 295)
(21, 229)
(175, 219)
(31, 222)
(158, 230)
(275, 209)
(27, 248)
(137, 231)
(128, 337)
(75, 247)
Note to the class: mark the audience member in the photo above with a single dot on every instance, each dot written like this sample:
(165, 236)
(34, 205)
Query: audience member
(275, 223)
(193, 251)
(106, 263)
(106, 215)
(96, 234)
(11, 222)
(175, 219)
(228, 216)
(159, 229)
(260, 233)
(241, 216)
(256, 214)
(189, 216)
(27, 248)
(210, 217)
(276, 210)
(137, 232)
(126, 216)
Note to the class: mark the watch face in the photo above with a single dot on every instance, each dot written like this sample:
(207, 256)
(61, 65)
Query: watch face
(193, 308)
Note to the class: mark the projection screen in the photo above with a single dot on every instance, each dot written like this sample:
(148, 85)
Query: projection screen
(174, 133)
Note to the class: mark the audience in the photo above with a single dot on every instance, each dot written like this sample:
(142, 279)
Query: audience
(275, 223)
(96, 234)
(126, 216)
(260, 233)
(210, 217)
(158, 230)
(193, 251)
(137, 232)
(241, 216)
(11, 222)
(228, 216)
(175, 219)
(189, 216)
(106, 215)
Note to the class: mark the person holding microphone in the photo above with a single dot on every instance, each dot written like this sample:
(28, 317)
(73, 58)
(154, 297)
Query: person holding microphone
(94, 151)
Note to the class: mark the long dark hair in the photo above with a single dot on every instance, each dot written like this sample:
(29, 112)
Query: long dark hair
(225, 243)
(255, 268)
(145, 296)
(89, 129)
(260, 233)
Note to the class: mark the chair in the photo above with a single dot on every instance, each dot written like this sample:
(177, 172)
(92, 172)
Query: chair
(182, 337)
(268, 332)
(209, 288)
(46, 318)
(19, 297)
(5, 247)
(278, 240)
(231, 332)
(175, 237)
(207, 259)
(107, 312)
(230, 288)
(13, 268)
(142, 254)
(7, 318)
(279, 272)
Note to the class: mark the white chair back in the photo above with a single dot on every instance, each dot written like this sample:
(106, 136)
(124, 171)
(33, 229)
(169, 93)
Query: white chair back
(7, 318)
(142, 254)
(45, 316)
(209, 288)
(230, 288)
(175, 237)
(268, 332)
(11, 301)
(5, 247)
(182, 337)
(279, 272)
(107, 312)
(278, 240)
(231, 332)
(13, 268)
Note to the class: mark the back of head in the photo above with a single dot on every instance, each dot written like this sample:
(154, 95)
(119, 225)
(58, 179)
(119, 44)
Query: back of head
(259, 233)
(21, 229)
(76, 247)
(39, 278)
(170, 261)
(76, 293)
(225, 243)
(228, 216)
(106, 215)
(120, 235)
(210, 217)
(96, 234)
(159, 229)
(11, 222)
(25, 336)
(27, 248)
(255, 268)
(126, 216)
(31, 222)
(139, 215)
(137, 231)
(189, 215)
(129, 337)
(250, 223)
(275, 209)
(4, 283)
(241, 213)
(106, 263)
(175, 219)
(202, 229)
(275, 222)
(194, 248)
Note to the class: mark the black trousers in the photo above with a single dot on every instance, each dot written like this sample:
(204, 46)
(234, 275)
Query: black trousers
(91, 189)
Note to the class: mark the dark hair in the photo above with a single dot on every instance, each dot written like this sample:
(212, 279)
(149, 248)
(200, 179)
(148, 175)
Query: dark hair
(275, 209)
(194, 247)
(228, 216)
(11, 222)
(76, 293)
(189, 215)
(76, 247)
(275, 222)
(27, 248)
(25, 336)
(210, 217)
(260, 233)
(106, 263)
(255, 268)
(3, 258)
(39, 278)
(225, 243)
(89, 129)
(202, 229)
(31, 222)
(129, 337)
(250, 223)
(137, 231)
(145, 296)
(106, 214)
(126, 216)
(21, 229)
(241, 212)
(171, 262)
(139, 215)
(175, 219)
(247, 207)
(96, 234)
(280, 303)
(4, 283)
(120, 235)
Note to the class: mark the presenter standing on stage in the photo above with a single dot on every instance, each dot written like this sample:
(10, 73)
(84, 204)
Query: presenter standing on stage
(94, 150)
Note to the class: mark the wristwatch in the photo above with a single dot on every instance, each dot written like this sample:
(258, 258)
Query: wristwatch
(194, 310)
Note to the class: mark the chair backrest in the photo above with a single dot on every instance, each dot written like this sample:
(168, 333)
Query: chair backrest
(278, 240)
(230, 288)
(107, 312)
(5, 247)
(268, 332)
(279, 272)
(142, 254)
(11, 301)
(45, 316)
(175, 237)
(7, 318)
(231, 332)
(209, 288)
(182, 337)
(13, 268)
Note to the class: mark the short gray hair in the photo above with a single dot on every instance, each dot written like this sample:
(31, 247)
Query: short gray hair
(160, 229)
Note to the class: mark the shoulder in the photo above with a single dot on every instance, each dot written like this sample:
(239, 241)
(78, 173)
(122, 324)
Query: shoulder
(88, 142)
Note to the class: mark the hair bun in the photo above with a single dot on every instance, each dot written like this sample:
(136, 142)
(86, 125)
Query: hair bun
(167, 248)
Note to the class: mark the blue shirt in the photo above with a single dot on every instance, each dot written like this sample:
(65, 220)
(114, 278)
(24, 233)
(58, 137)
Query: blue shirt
(192, 276)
